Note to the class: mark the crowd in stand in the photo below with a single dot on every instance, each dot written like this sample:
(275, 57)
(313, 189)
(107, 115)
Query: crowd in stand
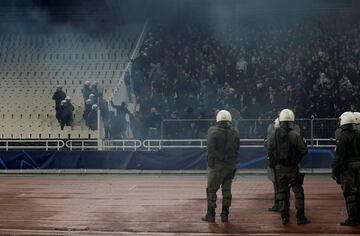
(114, 122)
(252, 69)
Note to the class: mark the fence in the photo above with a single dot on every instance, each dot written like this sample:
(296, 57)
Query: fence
(186, 133)
(247, 128)
(31, 144)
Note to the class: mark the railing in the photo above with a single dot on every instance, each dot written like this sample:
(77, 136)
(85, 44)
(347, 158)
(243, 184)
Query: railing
(83, 144)
(132, 144)
(247, 128)
(89, 144)
(31, 144)
(135, 144)
(151, 144)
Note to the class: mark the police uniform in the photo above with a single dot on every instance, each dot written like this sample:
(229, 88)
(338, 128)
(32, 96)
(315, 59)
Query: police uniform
(270, 170)
(346, 167)
(223, 145)
(286, 150)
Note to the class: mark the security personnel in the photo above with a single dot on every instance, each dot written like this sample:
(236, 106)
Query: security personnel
(58, 97)
(346, 167)
(91, 120)
(286, 150)
(223, 144)
(65, 115)
(356, 125)
(271, 173)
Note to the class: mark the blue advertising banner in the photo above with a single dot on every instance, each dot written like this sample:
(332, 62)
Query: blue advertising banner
(168, 159)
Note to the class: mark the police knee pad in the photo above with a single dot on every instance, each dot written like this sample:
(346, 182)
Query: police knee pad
(282, 196)
(299, 192)
(211, 195)
(227, 196)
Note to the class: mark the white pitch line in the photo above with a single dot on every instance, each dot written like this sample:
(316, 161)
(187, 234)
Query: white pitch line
(132, 187)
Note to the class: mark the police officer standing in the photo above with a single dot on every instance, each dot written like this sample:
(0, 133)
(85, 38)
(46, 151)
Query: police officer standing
(346, 167)
(286, 149)
(223, 145)
(270, 169)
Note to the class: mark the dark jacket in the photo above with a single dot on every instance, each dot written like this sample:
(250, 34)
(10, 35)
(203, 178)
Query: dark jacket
(58, 96)
(286, 147)
(347, 150)
(222, 145)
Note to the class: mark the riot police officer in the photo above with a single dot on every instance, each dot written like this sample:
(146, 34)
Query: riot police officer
(286, 149)
(346, 167)
(270, 170)
(58, 97)
(223, 145)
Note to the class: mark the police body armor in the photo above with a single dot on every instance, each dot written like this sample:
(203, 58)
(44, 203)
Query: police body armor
(224, 146)
(346, 170)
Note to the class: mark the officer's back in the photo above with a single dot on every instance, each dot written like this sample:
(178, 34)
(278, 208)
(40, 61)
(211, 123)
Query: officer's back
(223, 143)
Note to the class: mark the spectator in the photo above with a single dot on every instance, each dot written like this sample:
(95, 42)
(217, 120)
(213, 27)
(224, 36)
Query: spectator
(121, 112)
(300, 64)
(172, 128)
(103, 105)
(127, 81)
(153, 123)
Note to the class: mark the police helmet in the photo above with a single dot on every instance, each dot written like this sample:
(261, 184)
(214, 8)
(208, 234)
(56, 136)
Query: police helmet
(277, 123)
(88, 101)
(87, 82)
(68, 98)
(94, 107)
(347, 118)
(286, 115)
(59, 87)
(63, 102)
(223, 115)
(92, 95)
(357, 117)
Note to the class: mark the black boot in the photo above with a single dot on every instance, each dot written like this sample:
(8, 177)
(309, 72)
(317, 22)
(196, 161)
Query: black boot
(225, 215)
(210, 216)
(275, 207)
(285, 218)
(301, 218)
(349, 222)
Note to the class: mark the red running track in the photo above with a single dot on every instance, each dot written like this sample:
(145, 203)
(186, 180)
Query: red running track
(157, 205)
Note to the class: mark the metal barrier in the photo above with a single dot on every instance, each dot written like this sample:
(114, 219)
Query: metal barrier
(83, 144)
(247, 128)
(87, 144)
(132, 144)
(151, 144)
(31, 144)
(324, 128)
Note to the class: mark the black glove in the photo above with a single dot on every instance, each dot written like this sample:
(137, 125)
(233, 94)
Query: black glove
(336, 178)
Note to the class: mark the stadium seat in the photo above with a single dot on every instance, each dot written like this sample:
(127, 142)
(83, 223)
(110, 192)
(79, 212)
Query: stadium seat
(32, 65)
